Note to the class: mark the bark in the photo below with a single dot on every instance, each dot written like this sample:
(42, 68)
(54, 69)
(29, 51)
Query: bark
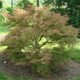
(37, 3)
(12, 4)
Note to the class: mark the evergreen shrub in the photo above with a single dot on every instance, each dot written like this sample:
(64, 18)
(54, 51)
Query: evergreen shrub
(1, 4)
(34, 28)
(9, 9)
(2, 17)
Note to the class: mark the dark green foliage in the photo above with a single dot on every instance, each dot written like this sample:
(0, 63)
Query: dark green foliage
(23, 4)
(9, 9)
(0, 4)
(71, 9)
(61, 10)
(78, 19)
(58, 56)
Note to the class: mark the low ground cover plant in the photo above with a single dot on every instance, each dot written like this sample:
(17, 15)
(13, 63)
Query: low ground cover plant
(5, 77)
(25, 39)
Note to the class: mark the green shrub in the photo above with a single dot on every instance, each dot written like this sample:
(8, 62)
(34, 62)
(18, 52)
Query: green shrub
(78, 21)
(0, 4)
(9, 9)
(22, 4)
(61, 10)
(78, 18)
(2, 17)
(25, 39)
(75, 79)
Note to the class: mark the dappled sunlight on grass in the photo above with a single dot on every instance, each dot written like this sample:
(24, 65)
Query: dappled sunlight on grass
(75, 54)
(4, 29)
(75, 79)
(5, 77)
(2, 48)
(49, 46)
(77, 46)
(75, 51)
(3, 32)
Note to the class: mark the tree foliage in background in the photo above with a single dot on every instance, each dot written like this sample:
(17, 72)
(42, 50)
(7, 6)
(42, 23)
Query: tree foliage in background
(0, 4)
(31, 31)
(9, 9)
(78, 18)
(24, 3)
(71, 9)
(2, 17)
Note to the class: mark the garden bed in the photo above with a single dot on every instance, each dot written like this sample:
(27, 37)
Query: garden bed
(13, 70)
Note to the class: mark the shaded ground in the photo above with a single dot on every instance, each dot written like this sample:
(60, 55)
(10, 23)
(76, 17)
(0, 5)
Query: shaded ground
(22, 70)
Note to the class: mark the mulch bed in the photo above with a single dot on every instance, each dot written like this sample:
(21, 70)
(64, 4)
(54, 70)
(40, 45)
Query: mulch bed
(13, 70)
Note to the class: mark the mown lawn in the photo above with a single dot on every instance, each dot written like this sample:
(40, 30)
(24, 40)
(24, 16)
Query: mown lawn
(76, 51)
(75, 79)
(4, 77)
(4, 29)
(75, 55)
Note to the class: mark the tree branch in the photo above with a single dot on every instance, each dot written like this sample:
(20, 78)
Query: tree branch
(41, 38)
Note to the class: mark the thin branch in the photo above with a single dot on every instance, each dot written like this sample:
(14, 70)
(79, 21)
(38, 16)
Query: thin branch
(41, 38)
(35, 39)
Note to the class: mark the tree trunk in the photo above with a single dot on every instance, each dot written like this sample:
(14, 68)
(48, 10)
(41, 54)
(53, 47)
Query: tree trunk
(37, 3)
(12, 4)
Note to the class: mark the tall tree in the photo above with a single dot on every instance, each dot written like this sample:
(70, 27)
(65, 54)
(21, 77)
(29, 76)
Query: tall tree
(71, 8)
(0, 4)
(12, 4)
(30, 35)
(37, 3)
(24, 3)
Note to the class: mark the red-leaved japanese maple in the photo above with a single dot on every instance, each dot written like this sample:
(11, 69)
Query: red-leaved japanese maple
(34, 33)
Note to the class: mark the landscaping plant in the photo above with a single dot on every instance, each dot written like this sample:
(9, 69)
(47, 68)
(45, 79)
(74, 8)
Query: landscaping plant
(2, 18)
(31, 30)
(0, 4)
(9, 9)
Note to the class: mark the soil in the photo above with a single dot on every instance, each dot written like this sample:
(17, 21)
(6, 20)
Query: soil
(13, 70)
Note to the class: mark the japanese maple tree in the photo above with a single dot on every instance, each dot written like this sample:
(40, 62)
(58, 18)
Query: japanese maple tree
(32, 30)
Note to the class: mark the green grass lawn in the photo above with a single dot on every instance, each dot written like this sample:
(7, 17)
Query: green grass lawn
(2, 48)
(75, 54)
(4, 77)
(76, 51)
(75, 79)
(4, 29)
